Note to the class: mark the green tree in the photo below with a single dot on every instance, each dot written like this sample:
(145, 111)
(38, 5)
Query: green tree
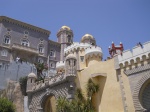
(23, 85)
(6, 105)
(40, 67)
(79, 103)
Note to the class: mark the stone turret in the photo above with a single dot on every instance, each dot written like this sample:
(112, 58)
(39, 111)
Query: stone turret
(65, 38)
(31, 82)
(71, 65)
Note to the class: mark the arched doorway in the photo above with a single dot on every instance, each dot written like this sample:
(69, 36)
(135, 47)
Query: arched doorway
(50, 104)
(145, 95)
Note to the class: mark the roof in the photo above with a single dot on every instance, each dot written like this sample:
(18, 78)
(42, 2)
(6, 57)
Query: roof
(23, 24)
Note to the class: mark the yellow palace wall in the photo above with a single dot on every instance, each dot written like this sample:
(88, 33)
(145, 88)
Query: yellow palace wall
(108, 99)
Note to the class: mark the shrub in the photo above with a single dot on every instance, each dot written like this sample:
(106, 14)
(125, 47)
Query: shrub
(6, 105)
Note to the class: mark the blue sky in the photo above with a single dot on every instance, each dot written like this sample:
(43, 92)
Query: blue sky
(127, 21)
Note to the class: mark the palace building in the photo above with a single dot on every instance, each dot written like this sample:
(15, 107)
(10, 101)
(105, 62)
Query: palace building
(124, 78)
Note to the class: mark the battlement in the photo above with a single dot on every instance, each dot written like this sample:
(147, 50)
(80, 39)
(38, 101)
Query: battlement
(93, 50)
(60, 64)
(137, 53)
(75, 46)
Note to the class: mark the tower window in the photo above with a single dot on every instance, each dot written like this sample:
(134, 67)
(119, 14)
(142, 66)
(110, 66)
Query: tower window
(74, 62)
(82, 58)
(52, 65)
(25, 42)
(7, 39)
(52, 53)
(4, 53)
(41, 49)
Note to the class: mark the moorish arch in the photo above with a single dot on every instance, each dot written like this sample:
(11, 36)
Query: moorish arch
(48, 101)
(141, 95)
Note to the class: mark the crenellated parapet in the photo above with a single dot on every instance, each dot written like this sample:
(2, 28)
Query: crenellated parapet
(76, 46)
(93, 50)
(139, 55)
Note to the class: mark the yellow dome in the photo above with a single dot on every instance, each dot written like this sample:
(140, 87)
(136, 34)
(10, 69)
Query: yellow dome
(87, 36)
(65, 27)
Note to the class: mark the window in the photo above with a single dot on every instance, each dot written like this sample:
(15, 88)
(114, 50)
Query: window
(40, 60)
(82, 58)
(69, 39)
(25, 42)
(7, 39)
(52, 65)
(41, 49)
(26, 32)
(4, 53)
(52, 53)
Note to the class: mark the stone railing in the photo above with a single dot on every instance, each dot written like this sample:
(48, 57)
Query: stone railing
(49, 81)
(76, 46)
(60, 64)
(137, 52)
(93, 50)
(24, 48)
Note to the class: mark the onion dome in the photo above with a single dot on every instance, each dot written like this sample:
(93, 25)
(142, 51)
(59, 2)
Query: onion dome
(65, 28)
(70, 56)
(32, 75)
(88, 38)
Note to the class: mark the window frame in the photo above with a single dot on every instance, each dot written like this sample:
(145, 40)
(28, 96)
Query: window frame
(4, 53)
(41, 48)
(7, 41)
(27, 44)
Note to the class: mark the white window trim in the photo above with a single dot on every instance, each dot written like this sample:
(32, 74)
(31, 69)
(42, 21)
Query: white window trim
(42, 47)
(4, 53)
(27, 44)
(5, 36)
(40, 60)
(53, 52)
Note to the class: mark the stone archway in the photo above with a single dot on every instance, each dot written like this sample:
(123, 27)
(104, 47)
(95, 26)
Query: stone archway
(50, 104)
(139, 91)
(145, 95)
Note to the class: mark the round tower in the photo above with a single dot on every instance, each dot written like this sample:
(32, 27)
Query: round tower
(71, 65)
(88, 38)
(31, 81)
(65, 38)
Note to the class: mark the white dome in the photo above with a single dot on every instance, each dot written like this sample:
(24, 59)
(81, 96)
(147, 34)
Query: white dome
(87, 36)
(71, 56)
(32, 75)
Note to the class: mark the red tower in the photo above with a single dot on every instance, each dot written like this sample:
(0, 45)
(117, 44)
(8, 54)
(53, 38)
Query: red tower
(115, 49)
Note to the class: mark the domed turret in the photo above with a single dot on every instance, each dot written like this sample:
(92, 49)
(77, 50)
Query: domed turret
(88, 38)
(65, 28)
(65, 38)
(31, 81)
(71, 65)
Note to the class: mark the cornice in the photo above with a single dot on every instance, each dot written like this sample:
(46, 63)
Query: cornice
(54, 43)
(25, 25)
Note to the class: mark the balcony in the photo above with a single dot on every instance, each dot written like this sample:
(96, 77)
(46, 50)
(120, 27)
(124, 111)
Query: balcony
(24, 48)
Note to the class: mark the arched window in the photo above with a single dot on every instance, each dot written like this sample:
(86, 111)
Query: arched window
(7, 39)
(52, 65)
(41, 49)
(52, 53)
(4, 53)
(25, 42)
